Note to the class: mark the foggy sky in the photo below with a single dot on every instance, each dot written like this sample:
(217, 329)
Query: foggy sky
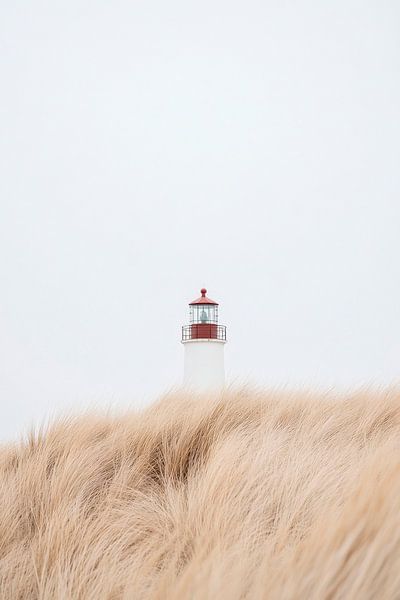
(148, 149)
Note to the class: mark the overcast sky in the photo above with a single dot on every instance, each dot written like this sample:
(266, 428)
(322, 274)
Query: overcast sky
(148, 149)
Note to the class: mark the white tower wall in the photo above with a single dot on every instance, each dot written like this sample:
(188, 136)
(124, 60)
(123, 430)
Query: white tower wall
(204, 367)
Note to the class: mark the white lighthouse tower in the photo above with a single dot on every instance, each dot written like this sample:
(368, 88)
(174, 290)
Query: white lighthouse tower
(204, 340)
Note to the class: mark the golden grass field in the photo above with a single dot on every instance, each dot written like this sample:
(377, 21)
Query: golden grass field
(249, 495)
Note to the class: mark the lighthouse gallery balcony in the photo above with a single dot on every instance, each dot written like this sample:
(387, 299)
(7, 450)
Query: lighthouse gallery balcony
(203, 331)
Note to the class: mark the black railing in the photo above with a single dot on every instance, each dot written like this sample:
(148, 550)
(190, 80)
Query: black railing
(203, 331)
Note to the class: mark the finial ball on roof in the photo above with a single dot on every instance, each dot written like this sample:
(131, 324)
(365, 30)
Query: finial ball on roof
(203, 291)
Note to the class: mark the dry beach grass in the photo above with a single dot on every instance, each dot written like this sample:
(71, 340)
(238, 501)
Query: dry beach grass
(249, 495)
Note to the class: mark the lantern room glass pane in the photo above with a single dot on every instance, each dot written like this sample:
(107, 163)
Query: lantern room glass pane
(204, 313)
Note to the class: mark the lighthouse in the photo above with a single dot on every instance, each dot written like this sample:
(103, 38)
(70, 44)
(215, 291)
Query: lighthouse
(204, 340)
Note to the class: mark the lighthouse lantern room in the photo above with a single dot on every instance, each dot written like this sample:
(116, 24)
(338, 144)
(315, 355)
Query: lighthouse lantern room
(204, 341)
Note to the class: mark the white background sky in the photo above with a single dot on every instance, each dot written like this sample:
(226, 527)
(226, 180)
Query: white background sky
(148, 149)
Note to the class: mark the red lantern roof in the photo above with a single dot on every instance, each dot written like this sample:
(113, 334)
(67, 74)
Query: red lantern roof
(203, 299)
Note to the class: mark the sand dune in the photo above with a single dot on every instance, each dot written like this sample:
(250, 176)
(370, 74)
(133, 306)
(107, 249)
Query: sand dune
(251, 495)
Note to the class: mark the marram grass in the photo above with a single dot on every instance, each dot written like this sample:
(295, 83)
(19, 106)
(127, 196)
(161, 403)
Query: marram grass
(256, 495)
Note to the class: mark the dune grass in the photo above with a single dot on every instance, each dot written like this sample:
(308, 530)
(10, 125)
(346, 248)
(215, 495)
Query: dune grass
(245, 495)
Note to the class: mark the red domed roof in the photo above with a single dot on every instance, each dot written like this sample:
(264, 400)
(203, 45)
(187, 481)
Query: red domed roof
(203, 299)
